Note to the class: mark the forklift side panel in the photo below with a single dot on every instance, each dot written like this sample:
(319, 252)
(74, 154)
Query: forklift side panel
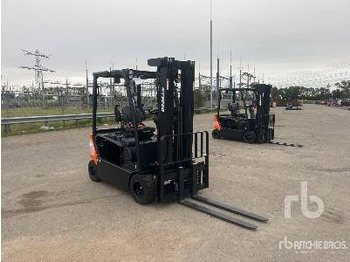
(113, 174)
(233, 134)
(148, 154)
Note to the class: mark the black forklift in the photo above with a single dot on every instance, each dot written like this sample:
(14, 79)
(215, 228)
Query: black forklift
(255, 124)
(168, 162)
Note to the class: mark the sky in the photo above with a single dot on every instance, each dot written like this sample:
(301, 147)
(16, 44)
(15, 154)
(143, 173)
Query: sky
(288, 42)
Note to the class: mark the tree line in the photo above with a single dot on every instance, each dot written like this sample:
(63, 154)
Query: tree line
(341, 91)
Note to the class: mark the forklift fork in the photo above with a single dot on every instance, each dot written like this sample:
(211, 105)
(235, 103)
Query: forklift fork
(200, 180)
(223, 216)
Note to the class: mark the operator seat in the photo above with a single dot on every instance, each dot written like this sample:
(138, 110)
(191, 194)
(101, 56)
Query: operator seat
(144, 132)
(233, 108)
(126, 115)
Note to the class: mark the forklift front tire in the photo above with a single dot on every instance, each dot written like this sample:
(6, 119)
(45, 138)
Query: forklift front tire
(249, 137)
(92, 171)
(215, 134)
(142, 188)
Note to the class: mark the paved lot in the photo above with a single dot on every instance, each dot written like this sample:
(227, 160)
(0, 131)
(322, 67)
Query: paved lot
(52, 211)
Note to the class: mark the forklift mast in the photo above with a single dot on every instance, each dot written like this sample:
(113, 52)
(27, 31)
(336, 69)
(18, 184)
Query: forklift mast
(178, 145)
(263, 97)
(175, 107)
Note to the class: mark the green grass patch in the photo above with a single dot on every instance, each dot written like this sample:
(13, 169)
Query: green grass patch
(38, 111)
(30, 128)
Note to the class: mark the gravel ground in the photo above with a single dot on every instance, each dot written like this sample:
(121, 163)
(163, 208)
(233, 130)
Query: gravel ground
(52, 211)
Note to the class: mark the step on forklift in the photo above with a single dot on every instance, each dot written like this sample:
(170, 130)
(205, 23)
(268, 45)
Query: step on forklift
(254, 125)
(167, 163)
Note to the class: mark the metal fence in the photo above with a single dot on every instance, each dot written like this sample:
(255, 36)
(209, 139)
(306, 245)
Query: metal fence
(65, 100)
(21, 109)
(74, 102)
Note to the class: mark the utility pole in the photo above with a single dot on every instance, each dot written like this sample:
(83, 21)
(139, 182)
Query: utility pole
(38, 68)
(240, 72)
(65, 96)
(211, 57)
(232, 85)
(263, 78)
(7, 99)
(110, 79)
(217, 77)
(199, 81)
(240, 77)
(248, 78)
(87, 84)
(254, 75)
(230, 69)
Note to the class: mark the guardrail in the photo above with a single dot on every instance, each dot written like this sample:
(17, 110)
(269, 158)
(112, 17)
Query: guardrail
(7, 122)
(50, 118)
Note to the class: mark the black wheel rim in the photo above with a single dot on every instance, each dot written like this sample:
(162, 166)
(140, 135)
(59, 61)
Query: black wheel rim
(138, 189)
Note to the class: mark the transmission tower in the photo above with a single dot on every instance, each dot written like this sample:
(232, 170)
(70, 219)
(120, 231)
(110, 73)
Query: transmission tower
(38, 68)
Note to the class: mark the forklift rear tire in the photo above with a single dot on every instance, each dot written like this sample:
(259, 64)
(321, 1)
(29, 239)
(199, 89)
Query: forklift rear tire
(215, 134)
(92, 171)
(142, 188)
(249, 137)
